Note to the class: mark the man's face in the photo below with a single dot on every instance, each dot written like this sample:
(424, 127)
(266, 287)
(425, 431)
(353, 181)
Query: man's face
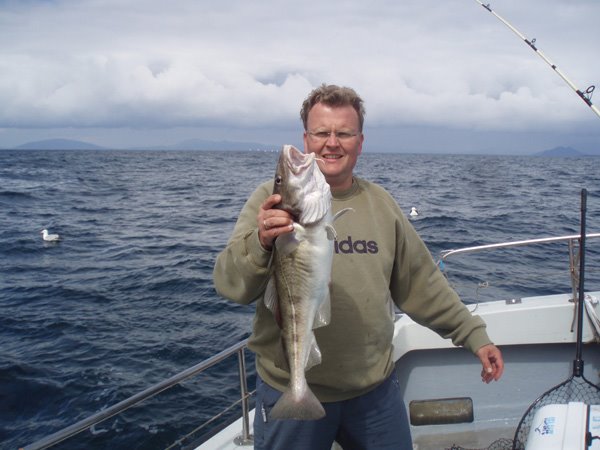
(333, 134)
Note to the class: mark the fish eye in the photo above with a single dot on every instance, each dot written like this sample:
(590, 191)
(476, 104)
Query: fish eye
(278, 179)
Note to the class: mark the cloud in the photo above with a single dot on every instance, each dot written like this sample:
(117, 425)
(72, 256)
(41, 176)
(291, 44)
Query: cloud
(151, 64)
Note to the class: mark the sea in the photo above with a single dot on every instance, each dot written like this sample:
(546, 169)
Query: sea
(126, 299)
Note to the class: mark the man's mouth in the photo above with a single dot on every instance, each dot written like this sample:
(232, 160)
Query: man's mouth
(333, 157)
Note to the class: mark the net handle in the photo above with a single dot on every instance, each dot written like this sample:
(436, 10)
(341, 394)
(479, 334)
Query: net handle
(578, 363)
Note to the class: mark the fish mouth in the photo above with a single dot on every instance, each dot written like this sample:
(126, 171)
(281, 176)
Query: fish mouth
(298, 161)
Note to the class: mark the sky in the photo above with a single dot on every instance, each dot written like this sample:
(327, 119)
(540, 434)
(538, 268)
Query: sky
(435, 76)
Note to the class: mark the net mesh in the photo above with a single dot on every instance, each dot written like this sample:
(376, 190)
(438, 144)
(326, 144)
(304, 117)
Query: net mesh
(499, 444)
(575, 389)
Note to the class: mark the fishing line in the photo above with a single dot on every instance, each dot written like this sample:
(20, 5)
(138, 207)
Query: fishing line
(586, 95)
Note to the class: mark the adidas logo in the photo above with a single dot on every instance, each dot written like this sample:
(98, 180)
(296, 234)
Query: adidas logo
(348, 246)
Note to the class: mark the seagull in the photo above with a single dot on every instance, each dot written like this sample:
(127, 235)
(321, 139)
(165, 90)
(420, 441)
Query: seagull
(49, 237)
(414, 212)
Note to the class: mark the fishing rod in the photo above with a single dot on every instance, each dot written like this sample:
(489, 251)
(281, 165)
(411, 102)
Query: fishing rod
(586, 95)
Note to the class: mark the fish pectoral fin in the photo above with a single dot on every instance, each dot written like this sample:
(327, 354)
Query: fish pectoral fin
(287, 243)
(331, 234)
(340, 213)
(299, 232)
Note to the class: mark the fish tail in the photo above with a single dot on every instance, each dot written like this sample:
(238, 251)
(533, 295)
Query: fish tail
(298, 405)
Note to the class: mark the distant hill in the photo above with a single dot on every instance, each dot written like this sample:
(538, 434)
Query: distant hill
(563, 152)
(190, 144)
(58, 144)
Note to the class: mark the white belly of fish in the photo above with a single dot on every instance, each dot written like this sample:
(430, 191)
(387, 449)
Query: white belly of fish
(302, 269)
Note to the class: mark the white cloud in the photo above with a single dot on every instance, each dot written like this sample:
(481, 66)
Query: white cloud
(108, 63)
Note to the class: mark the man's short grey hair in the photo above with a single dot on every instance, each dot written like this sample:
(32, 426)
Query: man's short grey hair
(334, 96)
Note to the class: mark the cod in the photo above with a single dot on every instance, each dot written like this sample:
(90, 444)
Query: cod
(298, 290)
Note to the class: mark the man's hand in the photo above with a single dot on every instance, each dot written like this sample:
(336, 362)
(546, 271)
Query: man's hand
(492, 363)
(272, 222)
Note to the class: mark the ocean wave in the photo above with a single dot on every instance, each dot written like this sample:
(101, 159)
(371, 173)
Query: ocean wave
(126, 299)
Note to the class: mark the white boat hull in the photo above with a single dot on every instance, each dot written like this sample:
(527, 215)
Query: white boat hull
(537, 337)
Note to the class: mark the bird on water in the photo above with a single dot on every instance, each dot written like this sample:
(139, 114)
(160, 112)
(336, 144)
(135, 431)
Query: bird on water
(49, 237)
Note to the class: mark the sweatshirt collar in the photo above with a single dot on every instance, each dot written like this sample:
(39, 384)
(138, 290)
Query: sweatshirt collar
(342, 195)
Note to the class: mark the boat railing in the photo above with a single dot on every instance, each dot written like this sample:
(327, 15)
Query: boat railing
(134, 400)
(572, 241)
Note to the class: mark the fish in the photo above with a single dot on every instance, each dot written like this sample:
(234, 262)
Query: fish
(298, 290)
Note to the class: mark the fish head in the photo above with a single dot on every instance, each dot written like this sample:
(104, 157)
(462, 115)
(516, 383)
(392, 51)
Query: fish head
(304, 192)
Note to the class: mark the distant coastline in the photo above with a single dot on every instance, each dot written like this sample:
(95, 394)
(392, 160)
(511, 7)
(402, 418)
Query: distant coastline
(564, 152)
(208, 145)
(190, 144)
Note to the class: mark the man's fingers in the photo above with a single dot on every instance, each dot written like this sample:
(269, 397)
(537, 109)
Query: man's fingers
(491, 362)
(271, 201)
(272, 222)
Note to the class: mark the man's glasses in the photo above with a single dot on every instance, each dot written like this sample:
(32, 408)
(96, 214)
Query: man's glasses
(339, 135)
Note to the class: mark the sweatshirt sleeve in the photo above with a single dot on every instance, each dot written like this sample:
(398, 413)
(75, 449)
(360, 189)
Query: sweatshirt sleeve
(241, 270)
(420, 289)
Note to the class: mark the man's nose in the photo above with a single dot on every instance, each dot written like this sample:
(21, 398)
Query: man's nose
(332, 139)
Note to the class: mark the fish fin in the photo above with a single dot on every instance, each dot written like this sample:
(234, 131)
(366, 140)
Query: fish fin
(271, 300)
(340, 213)
(288, 242)
(323, 314)
(301, 404)
(331, 234)
(299, 232)
(314, 354)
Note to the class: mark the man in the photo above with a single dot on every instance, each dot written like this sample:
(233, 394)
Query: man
(388, 262)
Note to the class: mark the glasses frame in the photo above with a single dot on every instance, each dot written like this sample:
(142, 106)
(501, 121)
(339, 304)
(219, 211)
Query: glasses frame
(341, 136)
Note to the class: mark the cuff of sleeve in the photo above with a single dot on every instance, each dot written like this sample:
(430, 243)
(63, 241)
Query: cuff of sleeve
(477, 339)
(255, 251)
